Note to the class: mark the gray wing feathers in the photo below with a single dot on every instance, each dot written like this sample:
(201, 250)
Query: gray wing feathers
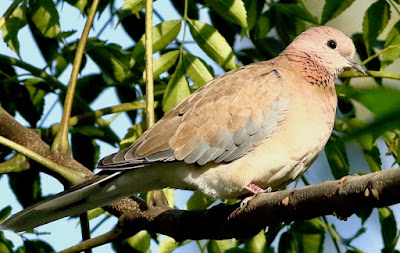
(220, 122)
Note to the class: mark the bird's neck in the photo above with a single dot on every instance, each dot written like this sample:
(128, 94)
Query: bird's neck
(311, 68)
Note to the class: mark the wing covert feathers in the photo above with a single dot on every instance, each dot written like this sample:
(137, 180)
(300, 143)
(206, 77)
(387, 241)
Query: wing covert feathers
(220, 122)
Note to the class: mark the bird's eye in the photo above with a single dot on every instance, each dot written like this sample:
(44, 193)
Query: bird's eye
(332, 44)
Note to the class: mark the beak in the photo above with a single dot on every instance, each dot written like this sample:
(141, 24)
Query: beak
(355, 65)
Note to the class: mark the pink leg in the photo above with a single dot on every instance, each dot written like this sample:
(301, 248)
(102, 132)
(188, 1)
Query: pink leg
(256, 189)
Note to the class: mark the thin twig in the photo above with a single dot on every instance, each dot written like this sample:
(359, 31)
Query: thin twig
(61, 141)
(72, 176)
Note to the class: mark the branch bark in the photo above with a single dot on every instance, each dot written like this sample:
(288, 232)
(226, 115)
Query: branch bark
(341, 198)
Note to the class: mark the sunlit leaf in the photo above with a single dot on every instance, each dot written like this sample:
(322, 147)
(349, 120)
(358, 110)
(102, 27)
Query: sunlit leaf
(131, 7)
(220, 246)
(212, 43)
(177, 89)
(232, 10)
(163, 34)
(257, 244)
(196, 69)
(140, 241)
(334, 8)
(45, 17)
(388, 228)
(170, 195)
(167, 245)
(392, 40)
(162, 64)
(375, 20)
(14, 23)
(199, 201)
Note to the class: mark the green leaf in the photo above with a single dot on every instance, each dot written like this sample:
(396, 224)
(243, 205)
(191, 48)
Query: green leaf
(334, 8)
(134, 132)
(232, 10)
(111, 59)
(131, 7)
(254, 8)
(287, 243)
(85, 150)
(37, 246)
(360, 231)
(163, 34)
(309, 226)
(167, 245)
(81, 5)
(90, 87)
(26, 187)
(199, 201)
(4, 213)
(6, 245)
(28, 99)
(220, 246)
(14, 23)
(257, 244)
(337, 157)
(296, 10)
(310, 235)
(93, 213)
(192, 9)
(364, 214)
(170, 195)
(196, 69)
(45, 17)
(373, 158)
(392, 40)
(134, 25)
(140, 241)
(177, 89)
(392, 140)
(375, 20)
(96, 132)
(212, 43)
(388, 228)
(162, 64)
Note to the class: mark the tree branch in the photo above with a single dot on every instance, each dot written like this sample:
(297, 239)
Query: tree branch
(61, 141)
(341, 198)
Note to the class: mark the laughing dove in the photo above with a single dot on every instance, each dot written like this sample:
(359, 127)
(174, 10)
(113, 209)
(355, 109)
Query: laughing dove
(257, 126)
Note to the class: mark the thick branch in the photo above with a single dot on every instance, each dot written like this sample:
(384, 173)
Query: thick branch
(340, 197)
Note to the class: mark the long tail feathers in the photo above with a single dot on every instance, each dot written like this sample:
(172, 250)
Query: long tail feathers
(73, 201)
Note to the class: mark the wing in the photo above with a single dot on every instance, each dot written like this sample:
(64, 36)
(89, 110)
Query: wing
(220, 122)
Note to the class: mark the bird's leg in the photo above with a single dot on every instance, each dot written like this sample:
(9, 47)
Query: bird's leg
(255, 189)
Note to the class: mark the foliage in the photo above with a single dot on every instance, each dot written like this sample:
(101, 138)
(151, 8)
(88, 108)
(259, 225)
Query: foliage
(189, 50)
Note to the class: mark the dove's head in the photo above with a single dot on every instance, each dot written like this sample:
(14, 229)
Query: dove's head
(328, 47)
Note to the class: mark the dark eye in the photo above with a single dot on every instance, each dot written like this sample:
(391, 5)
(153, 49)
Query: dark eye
(331, 44)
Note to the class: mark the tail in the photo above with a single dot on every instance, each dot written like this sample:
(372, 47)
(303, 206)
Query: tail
(76, 200)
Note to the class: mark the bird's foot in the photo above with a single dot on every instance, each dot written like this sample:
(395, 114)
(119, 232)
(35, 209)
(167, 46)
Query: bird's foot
(255, 189)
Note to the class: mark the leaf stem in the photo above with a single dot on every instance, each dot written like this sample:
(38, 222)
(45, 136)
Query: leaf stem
(332, 234)
(8, 12)
(379, 53)
(149, 64)
(61, 141)
(371, 73)
(72, 176)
